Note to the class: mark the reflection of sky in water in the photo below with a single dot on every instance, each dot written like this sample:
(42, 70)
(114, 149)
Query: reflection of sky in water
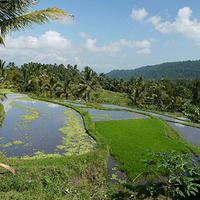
(179, 125)
(75, 104)
(190, 134)
(36, 135)
(102, 115)
(158, 115)
(10, 98)
(52, 105)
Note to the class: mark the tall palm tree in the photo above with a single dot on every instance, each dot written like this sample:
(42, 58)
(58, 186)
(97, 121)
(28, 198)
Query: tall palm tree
(14, 16)
(138, 91)
(2, 70)
(66, 89)
(88, 82)
(52, 86)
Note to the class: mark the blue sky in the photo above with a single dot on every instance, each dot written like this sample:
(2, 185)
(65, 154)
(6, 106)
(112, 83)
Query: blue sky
(111, 34)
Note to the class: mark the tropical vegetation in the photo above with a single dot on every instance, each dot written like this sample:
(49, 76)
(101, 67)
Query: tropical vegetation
(47, 80)
(182, 69)
(86, 175)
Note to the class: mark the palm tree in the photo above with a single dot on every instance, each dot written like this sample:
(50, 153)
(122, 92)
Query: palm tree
(2, 70)
(14, 16)
(138, 91)
(88, 82)
(52, 86)
(66, 89)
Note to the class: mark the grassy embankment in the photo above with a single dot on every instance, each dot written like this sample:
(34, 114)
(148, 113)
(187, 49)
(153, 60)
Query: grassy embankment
(71, 177)
(130, 140)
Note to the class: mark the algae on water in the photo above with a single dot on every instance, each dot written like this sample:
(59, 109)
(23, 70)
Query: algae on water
(75, 139)
(32, 113)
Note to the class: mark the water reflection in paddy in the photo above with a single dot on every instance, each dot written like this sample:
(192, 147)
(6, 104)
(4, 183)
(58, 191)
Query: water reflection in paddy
(103, 115)
(32, 126)
(180, 120)
(190, 134)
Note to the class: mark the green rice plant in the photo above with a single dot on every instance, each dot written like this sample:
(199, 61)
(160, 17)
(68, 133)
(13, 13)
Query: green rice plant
(130, 140)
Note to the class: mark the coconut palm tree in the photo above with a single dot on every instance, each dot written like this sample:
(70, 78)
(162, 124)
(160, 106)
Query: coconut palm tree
(14, 16)
(2, 70)
(66, 89)
(52, 86)
(88, 82)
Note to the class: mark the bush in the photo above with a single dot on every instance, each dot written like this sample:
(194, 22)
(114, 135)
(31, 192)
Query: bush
(179, 174)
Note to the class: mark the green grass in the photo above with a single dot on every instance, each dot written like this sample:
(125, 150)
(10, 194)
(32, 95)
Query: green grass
(130, 140)
(109, 97)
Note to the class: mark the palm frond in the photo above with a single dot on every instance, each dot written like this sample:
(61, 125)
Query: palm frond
(1, 41)
(29, 20)
(12, 8)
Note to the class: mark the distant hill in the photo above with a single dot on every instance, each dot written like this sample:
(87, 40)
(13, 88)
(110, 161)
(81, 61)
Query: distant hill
(184, 69)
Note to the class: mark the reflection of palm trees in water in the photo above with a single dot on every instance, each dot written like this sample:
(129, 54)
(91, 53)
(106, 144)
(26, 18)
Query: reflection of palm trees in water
(3, 96)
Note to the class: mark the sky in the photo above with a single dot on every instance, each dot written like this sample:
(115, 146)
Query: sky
(110, 34)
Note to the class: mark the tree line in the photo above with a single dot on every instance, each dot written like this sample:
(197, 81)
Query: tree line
(68, 82)
(182, 69)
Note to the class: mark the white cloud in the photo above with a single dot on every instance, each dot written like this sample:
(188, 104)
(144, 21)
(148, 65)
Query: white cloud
(144, 51)
(50, 47)
(77, 59)
(131, 43)
(51, 39)
(113, 55)
(90, 46)
(115, 46)
(102, 67)
(182, 24)
(152, 39)
(66, 21)
(138, 14)
(124, 55)
(83, 35)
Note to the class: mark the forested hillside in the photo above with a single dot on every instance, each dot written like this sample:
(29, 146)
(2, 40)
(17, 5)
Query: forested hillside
(185, 69)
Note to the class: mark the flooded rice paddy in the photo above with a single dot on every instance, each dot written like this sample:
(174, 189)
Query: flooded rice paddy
(190, 134)
(38, 128)
(106, 115)
(167, 118)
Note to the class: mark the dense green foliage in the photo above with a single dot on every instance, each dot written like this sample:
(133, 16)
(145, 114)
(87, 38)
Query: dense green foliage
(179, 171)
(185, 69)
(130, 140)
